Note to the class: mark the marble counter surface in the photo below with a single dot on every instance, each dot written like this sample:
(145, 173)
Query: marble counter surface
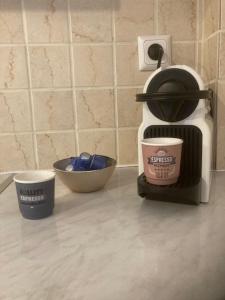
(113, 245)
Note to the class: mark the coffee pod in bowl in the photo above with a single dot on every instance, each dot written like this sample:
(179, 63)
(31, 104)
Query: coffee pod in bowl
(162, 158)
(35, 193)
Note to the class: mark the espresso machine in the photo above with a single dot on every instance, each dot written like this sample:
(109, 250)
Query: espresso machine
(176, 104)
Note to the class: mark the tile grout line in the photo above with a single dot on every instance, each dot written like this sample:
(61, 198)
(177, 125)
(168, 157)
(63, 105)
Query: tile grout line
(50, 89)
(216, 125)
(218, 56)
(156, 12)
(115, 79)
(219, 42)
(38, 132)
(52, 44)
(183, 42)
(68, 130)
(132, 42)
(203, 36)
(198, 17)
(24, 20)
(72, 70)
(127, 165)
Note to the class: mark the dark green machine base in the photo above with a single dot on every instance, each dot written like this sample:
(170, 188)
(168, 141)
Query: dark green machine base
(186, 190)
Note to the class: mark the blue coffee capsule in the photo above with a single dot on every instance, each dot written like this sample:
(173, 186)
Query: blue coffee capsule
(98, 162)
(74, 165)
(82, 163)
(69, 167)
(85, 156)
(78, 165)
(87, 162)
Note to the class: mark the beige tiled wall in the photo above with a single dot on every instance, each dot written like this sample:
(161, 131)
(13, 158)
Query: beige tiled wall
(213, 69)
(69, 74)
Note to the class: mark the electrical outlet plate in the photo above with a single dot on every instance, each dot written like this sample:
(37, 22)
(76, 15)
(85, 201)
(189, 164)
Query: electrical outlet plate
(144, 42)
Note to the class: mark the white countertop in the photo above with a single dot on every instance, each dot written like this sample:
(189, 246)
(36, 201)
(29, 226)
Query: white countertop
(113, 245)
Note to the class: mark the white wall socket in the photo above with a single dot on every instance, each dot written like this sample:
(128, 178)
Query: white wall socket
(144, 42)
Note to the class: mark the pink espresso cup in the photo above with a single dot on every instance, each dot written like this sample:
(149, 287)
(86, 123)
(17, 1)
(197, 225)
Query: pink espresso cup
(162, 158)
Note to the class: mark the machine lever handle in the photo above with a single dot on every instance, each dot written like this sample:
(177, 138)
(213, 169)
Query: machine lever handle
(165, 96)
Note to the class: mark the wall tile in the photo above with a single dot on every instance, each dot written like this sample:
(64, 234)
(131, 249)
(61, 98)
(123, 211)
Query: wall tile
(199, 19)
(211, 17)
(177, 18)
(47, 21)
(53, 110)
(210, 59)
(11, 25)
(92, 25)
(15, 113)
(93, 65)
(50, 66)
(54, 146)
(21, 155)
(199, 58)
(127, 66)
(128, 146)
(222, 14)
(212, 69)
(13, 67)
(133, 19)
(91, 20)
(184, 54)
(95, 109)
(98, 142)
(222, 56)
(129, 111)
(220, 155)
(221, 104)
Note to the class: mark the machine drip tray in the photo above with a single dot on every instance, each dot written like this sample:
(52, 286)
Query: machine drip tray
(187, 190)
